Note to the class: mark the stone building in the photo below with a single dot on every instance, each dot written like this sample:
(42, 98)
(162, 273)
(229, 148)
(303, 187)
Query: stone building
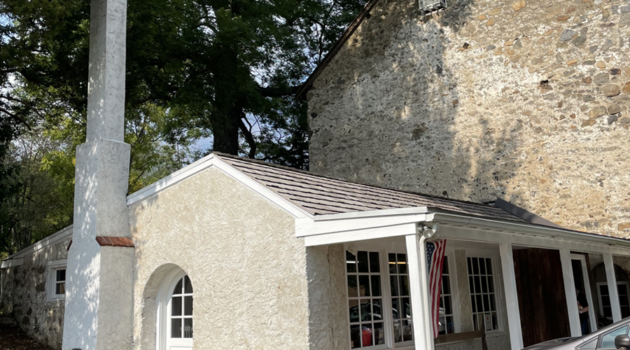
(522, 100)
(471, 102)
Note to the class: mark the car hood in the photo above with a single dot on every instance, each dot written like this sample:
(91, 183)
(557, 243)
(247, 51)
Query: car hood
(556, 344)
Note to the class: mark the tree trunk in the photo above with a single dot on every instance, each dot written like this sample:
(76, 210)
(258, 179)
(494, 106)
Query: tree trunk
(225, 131)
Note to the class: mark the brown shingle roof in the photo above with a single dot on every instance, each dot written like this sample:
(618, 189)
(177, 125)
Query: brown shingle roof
(320, 195)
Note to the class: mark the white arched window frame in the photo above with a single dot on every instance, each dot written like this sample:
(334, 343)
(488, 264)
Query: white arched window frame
(164, 340)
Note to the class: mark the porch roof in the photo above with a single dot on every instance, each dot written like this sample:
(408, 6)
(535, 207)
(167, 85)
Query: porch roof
(321, 195)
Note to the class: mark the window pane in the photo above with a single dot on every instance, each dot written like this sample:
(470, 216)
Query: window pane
(379, 334)
(353, 291)
(477, 284)
(491, 284)
(495, 323)
(489, 266)
(377, 309)
(354, 310)
(351, 262)
(176, 306)
(606, 301)
(376, 286)
(470, 266)
(392, 263)
(484, 284)
(482, 266)
(188, 328)
(486, 303)
(448, 309)
(178, 287)
(396, 308)
(363, 262)
(402, 263)
(188, 306)
(475, 265)
(406, 307)
(355, 336)
(394, 284)
(472, 302)
(404, 285)
(188, 286)
(603, 289)
(446, 285)
(366, 310)
(397, 332)
(442, 325)
(608, 341)
(367, 335)
(471, 284)
(364, 286)
(176, 328)
(61, 275)
(493, 305)
(60, 288)
(407, 329)
(374, 262)
(445, 266)
(450, 325)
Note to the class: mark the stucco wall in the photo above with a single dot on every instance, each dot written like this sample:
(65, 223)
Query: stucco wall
(247, 268)
(524, 100)
(24, 295)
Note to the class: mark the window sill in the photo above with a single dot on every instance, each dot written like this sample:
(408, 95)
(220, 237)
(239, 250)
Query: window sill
(493, 334)
(63, 298)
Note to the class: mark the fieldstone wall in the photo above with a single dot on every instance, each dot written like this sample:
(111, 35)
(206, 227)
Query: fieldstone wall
(24, 295)
(523, 100)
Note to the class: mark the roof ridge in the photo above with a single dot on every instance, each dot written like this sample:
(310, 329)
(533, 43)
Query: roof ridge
(306, 172)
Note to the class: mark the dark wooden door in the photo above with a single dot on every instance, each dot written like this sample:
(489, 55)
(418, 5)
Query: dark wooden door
(541, 295)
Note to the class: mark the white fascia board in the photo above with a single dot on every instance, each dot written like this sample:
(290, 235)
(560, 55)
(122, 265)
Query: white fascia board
(527, 235)
(213, 161)
(360, 235)
(11, 263)
(337, 223)
(52, 239)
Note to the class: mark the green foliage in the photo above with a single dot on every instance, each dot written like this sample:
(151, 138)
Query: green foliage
(223, 70)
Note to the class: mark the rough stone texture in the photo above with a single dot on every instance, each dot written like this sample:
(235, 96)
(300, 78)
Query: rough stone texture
(24, 295)
(248, 271)
(497, 121)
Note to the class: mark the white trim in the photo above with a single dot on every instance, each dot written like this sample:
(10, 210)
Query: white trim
(496, 284)
(360, 235)
(51, 279)
(214, 161)
(587, 290)
(12, 263)
(612, 287)
(41, 244)
(337, 223)
(596, 243)
(419, 287)
(511, 297)
(569, 292)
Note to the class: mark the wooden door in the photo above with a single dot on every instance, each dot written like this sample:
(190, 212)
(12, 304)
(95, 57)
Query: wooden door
(541, 297)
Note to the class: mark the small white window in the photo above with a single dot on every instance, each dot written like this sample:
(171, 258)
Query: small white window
(447, 317)
(428, 6)
(56, 280)
(482, 294)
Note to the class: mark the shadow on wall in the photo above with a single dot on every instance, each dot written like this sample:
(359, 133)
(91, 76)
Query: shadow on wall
(386, 113)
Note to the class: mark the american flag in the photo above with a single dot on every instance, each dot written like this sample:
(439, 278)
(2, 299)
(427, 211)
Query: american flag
(435, 260)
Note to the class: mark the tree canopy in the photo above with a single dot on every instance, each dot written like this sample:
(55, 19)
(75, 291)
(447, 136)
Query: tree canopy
(225, 71)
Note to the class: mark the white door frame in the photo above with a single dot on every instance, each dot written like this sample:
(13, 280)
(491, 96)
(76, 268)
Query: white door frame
(163, 315)
(587, 290)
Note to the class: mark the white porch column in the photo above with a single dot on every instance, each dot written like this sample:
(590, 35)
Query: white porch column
(569, 290)
(99, 284)
(418, 285)
(612, 286)
(511, 296)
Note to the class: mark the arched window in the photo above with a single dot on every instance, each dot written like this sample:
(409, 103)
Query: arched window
(175, 310)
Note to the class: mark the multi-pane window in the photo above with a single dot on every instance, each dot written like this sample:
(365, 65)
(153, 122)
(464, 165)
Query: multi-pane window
(182, 309)
(482, 294)
(624, 300)
(60, 282)
(447, 323)
(365, 299)
(401, 301)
